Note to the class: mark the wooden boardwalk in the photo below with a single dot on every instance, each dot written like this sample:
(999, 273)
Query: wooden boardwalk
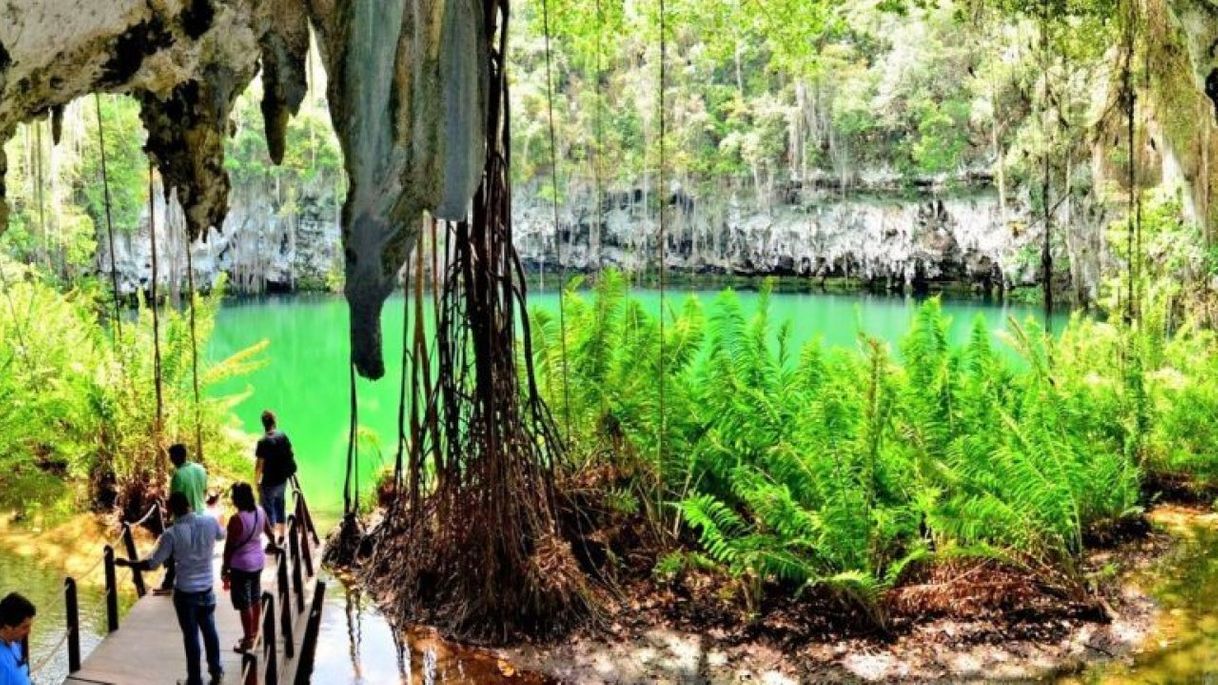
(147, 647)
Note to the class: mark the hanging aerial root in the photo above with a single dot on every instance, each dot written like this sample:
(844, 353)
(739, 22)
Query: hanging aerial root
(343, 545)
(474, 581)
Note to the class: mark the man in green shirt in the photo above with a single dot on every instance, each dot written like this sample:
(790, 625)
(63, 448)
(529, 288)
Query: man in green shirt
(190, 479)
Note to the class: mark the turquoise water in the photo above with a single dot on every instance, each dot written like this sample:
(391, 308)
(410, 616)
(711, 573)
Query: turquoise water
(306, 379)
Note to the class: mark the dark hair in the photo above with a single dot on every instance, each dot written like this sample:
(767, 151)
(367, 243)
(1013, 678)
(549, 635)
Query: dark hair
(14, 609)
(177, 453)
(178, 504)
(243, 497)
(268, 419)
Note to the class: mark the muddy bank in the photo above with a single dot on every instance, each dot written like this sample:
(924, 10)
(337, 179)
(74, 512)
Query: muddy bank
(1159, 625)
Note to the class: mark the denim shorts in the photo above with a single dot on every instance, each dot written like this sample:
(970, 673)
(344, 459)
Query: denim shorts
(245, 588)
(273, 502)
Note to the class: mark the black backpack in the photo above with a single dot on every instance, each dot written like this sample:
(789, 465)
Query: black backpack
(276, 449)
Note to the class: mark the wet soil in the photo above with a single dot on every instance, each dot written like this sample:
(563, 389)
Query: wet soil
(693, 632)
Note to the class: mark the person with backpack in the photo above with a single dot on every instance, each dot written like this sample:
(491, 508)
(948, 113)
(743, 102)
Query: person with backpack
(275, 464)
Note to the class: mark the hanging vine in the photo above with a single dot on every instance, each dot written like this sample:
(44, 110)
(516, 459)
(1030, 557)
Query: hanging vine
(562, 263)
(101, 143)
(159, 426)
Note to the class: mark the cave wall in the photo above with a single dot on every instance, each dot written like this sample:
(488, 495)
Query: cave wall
(891, 239)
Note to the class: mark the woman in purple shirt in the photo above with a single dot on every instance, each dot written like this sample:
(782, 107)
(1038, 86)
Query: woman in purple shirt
(243, 562)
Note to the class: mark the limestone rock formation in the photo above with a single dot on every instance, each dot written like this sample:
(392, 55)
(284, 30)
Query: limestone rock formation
(185, 60)
(408, 100)
(885, 239)
(1199, 21)
(408, 94)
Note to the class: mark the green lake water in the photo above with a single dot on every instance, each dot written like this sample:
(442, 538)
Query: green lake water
(306, 381)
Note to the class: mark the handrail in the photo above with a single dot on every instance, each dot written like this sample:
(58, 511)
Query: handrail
(111, 590)
(308, 648)
(285, 605)
(72, 612)
(302, 515)
(137, 576)
(269, 646)
(294, 547)
(303, 505)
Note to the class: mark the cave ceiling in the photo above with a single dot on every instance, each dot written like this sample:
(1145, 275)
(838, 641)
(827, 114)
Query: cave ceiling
(407, 92)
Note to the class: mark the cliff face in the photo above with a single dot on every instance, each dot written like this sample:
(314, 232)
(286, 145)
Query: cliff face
(887, 239)
(258, 249)
(893, 239)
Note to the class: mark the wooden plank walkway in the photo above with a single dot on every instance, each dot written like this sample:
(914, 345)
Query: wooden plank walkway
(147, 648)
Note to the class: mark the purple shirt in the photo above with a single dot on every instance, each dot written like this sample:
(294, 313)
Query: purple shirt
(248, 555)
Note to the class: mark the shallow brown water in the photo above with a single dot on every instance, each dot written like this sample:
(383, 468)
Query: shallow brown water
(358, 645)
(1183, 646)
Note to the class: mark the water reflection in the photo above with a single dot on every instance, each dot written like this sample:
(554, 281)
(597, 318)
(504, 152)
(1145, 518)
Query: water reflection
(35, 565)
(357, 645)
(1183, 648)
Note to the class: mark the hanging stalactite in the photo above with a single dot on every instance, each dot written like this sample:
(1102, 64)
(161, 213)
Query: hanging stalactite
(491, 444)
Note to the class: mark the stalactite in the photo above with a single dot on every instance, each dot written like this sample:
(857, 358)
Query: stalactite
(409, 106)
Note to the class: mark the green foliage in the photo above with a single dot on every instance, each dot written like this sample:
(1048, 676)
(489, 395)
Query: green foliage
(126, 164)
(80, 405)
(838, 469)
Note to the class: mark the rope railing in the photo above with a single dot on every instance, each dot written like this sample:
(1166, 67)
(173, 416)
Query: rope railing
(71, 608)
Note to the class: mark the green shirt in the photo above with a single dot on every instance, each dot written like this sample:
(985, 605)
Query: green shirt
(190, 479)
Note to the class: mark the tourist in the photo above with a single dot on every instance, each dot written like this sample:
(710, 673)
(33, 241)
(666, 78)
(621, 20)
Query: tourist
(243, 562)
(274, 466)
(16, 617)
(190, 479)
(192, 542)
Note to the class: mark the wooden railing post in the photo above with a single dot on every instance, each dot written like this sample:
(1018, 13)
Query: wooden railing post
(302, 527)
(249, 669)
(304, 506)
(137, 576)
(285, 606)
(270, 647)
(72, 611)
(308, 649)
(111, 590)
(294, 546)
